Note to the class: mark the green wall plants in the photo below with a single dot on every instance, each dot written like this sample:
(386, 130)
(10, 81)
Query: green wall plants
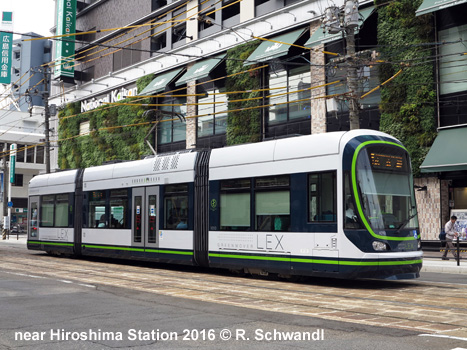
(243, 126)
(408, 102)
(106, 141)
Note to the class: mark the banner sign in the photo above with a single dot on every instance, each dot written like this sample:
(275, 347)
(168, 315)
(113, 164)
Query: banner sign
(12, 162)
(65, 46)
(6, 43)
(6, 40)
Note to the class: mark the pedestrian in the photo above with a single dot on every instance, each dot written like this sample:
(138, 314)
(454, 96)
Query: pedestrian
(451, 233)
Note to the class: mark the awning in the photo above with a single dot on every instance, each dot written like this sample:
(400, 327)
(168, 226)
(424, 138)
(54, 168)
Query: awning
(448, 153)
(319, 37)
(160, 82)
(200, 70)
(429, 6)
(268, 50)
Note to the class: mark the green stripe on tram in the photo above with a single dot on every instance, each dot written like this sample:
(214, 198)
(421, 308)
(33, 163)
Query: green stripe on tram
(319, 261)
(142, 250)
(52, 243)
(357, 198)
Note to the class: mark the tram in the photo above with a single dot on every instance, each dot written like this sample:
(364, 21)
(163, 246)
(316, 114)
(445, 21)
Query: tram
(338, 204)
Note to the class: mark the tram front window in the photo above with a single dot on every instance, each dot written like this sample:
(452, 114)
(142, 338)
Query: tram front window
(385, 183)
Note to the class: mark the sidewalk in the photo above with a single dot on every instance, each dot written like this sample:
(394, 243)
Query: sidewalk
(431, 261)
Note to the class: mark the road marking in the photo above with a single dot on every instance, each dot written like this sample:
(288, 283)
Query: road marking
(444, 336)
(63, 281)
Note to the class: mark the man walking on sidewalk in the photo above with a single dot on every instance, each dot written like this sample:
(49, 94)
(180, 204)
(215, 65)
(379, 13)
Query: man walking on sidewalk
(451, 233)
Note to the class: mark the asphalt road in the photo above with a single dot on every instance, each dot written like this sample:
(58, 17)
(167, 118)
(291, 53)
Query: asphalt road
(44, 313)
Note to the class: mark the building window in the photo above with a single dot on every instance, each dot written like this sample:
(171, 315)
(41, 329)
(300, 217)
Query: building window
(172, 128)
(84, 128)
(230, 11)
(20, 153)
(213, 112)
(17, 55)
(290, 95)
(272, 203)
(128, 56)
(235, 202)
(207, 21)
(452, 62)
(179, 33)
(30, 154)
(176, 207)
(159, 42)
(40, 154)
(18, 180)
(322, 197)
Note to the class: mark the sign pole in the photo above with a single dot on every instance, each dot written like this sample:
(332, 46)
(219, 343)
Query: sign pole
(12, 180)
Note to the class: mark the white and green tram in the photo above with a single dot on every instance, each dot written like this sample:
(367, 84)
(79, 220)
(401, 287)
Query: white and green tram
(337, 204)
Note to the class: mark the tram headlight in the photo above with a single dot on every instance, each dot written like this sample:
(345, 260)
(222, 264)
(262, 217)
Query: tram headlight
(379, 246)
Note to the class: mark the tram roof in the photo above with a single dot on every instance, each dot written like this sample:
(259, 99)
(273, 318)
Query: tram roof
(54, 179)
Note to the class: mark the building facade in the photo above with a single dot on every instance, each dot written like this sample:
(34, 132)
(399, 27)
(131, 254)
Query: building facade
(27, 132)
(28, 57)
(202, 73)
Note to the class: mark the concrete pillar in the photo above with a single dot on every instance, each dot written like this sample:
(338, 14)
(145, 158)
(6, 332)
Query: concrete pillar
(247, 10)
(318, 77)
(192, 26)
(191, 123)
(432, 205)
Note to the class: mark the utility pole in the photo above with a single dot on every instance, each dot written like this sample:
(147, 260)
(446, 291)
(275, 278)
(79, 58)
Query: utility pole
(345, 20)
(5, 190)
(45, 96)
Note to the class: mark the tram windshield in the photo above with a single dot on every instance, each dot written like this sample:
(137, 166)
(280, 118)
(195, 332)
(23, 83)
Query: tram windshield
(385, 182)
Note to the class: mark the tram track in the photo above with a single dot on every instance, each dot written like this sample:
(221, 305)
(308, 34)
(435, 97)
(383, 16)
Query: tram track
(395, 304)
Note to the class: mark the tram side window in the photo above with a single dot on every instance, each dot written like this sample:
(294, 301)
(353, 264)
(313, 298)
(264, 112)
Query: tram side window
(235, 201)
(351, 217)
(97, 214)
(176, 207)
(54, 211)
(322, 197)
(118, 208)
(61, 210)
(47, 211)
(272, 203)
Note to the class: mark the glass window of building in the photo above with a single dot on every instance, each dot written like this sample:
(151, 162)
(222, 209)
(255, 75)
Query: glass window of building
(213, 109)
(290, 93)
(20, 153)
(452, 62)
(172, 127)
(40, 154)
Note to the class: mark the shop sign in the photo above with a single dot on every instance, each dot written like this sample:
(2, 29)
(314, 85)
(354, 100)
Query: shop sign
(65, 46)
(112, 97)
(6, 44)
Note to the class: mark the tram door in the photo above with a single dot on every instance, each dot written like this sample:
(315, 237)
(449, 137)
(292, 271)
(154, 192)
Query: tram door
(145, 225)
(33, 214)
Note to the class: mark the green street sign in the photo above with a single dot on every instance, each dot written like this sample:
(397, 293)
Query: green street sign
(6, 42)
(65, 46)
(12, 162)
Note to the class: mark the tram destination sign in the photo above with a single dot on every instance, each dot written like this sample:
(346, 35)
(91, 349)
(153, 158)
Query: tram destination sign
(387, 161)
